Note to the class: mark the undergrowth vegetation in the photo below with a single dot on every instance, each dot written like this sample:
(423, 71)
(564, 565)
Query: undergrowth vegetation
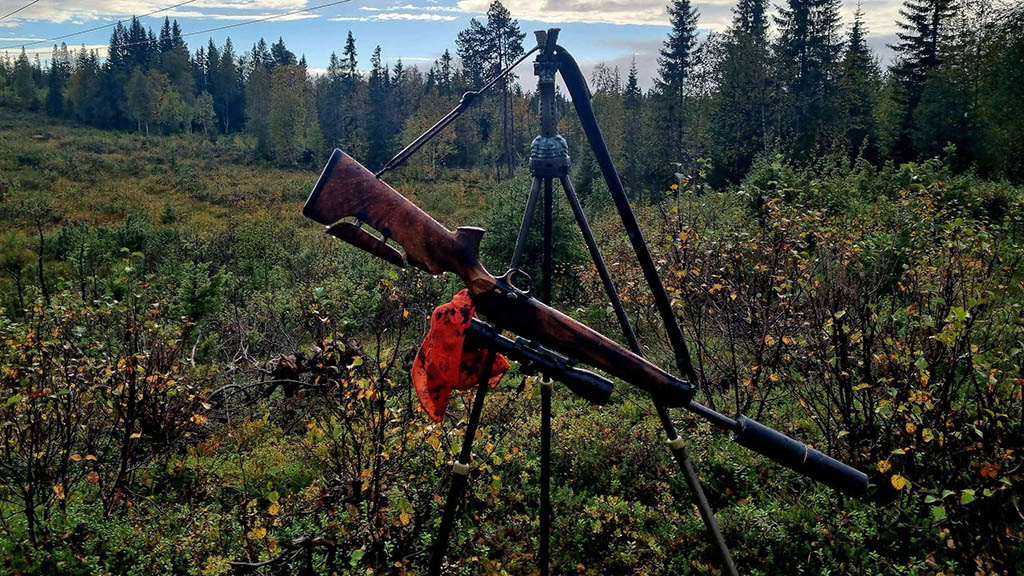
(195, 380)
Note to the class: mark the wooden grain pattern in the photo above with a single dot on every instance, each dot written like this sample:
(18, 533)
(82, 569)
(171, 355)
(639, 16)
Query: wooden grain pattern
(347, 189)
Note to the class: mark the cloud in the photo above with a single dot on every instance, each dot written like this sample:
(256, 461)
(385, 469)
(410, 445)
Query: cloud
(386, 16)
(413, 7)
(409, 16)
(592, 11)
(84, 11)
(186, 14)
(46, 52)
(716, 15)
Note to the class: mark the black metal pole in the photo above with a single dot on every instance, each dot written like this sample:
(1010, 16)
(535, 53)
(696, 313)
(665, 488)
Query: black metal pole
(544, 555)
(460, 471)
(524, 228)
(675, 442)
(581, 100)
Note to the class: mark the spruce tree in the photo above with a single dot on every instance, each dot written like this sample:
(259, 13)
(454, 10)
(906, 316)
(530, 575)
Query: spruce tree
(56, 80)
(859, 85)
(350, 57)
(675, 63)
(923, 25)
(24, 86)
(807, 56)
(632, 133)
(742, 115)
(227, 90)
(380, 132)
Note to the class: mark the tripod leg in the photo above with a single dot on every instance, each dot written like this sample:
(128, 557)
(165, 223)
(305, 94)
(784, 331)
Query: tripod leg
(460, 472)
(682, 457)
(675, 441)
(544, 556)
(524, 228)
(545, 393)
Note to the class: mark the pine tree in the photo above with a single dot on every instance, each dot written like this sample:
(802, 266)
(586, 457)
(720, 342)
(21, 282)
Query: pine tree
(675, 63)
(472, 45)
(506, 45)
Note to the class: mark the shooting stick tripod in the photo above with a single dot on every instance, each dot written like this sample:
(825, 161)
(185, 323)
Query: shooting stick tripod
(549, 159)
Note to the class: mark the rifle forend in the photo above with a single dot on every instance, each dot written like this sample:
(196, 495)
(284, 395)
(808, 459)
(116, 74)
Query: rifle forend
(348, 190)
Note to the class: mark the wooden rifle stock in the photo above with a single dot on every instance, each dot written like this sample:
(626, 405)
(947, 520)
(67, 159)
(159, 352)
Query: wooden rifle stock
(346, 189)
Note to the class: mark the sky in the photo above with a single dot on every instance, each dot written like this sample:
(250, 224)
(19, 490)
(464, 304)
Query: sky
(416, 31)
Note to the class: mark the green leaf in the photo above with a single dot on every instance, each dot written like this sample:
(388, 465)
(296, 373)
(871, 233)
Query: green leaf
(13, 400)
(273, 496)
(967, 496)
(355, 557)
(938, 513)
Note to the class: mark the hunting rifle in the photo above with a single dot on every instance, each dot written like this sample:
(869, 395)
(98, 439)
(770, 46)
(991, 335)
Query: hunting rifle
(348, 196)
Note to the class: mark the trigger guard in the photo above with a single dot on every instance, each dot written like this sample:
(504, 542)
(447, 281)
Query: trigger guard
(510, 276)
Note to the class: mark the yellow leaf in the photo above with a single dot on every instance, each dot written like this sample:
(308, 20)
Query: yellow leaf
(884, 466)
(927, 435)
(404, 518)
(58, 490)
(135, 435)
(75, 457)
(899, 482)
(910, 427)
(273, 509)
(92, 478)
(199, 419)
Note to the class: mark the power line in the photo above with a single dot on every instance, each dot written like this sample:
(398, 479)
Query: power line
(18, 10)
(93, 29)
(206, 31)
(247, 22)
(272, 17)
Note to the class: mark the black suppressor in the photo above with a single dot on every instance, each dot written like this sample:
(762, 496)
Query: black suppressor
(535, 358)
(799, 457)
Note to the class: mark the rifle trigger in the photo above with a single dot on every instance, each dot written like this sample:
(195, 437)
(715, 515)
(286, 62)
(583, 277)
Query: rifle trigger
(360, 238)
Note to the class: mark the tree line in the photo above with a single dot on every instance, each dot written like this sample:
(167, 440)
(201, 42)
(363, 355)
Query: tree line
(795, 82)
